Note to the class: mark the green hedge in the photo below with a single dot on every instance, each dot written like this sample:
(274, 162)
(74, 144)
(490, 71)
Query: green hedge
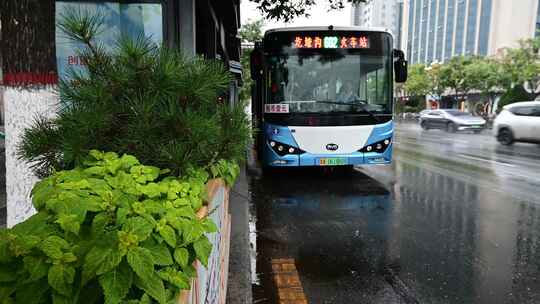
(516, 94)
(110, 231)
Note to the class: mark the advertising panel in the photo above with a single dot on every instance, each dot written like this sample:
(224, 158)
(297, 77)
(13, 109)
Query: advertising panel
(132, 19)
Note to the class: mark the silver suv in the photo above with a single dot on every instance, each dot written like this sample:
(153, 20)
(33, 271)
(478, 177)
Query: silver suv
(452, 121)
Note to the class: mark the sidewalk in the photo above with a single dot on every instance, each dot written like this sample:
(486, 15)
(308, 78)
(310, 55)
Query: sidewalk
(239, 285)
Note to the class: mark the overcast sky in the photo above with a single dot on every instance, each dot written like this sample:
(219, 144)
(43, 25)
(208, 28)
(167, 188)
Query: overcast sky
(319, 15)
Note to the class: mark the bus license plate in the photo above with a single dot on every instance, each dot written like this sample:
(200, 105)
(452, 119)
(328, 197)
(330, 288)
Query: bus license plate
(332, 161)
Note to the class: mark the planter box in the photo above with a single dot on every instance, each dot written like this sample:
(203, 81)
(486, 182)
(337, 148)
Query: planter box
(210, 285)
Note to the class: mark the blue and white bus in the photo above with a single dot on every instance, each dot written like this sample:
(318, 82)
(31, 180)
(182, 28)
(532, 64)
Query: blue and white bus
(323, 96)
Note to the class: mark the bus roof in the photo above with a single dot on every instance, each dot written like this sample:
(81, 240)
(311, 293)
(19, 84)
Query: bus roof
(326, 28)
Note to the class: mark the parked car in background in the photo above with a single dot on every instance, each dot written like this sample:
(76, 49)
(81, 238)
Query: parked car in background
(422, 115)
(519, 121)
(452, 121)
(408, 116)
(424, 112)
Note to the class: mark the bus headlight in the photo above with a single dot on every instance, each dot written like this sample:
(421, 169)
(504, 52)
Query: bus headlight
(378, 147)
(283, 149)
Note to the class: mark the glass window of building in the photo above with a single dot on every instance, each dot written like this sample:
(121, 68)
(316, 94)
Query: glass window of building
(460, 27)
(485, 20)
(470, 46)
(440, 30)
(537, 32)
(449, 28)
(410, 30)
(423, 43)
(131, 18)
(432, 30)
(417, 31)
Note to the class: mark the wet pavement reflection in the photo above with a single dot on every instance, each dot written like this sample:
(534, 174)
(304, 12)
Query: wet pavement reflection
(431, 228)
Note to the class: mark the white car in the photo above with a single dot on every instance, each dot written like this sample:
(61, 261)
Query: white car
(519, 121)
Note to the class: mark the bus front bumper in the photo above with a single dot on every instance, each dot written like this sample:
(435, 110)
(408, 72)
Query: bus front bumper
(308, 159)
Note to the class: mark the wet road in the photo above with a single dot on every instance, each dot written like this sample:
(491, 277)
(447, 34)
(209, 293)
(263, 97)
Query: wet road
(455, 219)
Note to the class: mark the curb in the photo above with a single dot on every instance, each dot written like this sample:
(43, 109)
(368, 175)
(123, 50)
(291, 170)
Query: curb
(239, 285)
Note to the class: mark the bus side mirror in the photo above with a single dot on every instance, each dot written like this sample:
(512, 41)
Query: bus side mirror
(255, 63)
(400, 66)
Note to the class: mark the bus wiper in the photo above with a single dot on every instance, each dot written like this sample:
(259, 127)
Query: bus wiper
(371, 114)
(361, 103)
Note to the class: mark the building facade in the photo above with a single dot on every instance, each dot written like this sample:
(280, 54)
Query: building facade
(376, 13)
(436, 30)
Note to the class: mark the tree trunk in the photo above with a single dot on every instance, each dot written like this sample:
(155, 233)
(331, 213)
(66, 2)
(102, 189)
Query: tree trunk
(27, 42)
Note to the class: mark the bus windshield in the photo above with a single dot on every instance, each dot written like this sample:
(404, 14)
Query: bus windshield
(332, 82)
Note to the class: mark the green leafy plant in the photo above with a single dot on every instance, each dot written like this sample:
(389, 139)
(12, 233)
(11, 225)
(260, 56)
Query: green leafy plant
(113, 231)
(228, 171)
(166, 109)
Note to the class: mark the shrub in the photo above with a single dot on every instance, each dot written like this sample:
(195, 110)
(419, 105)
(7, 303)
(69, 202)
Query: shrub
(111, 231)
(141, 99)
(514, 94)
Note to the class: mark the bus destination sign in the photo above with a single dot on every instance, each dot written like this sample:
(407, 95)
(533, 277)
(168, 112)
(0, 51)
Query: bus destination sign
(331, 42)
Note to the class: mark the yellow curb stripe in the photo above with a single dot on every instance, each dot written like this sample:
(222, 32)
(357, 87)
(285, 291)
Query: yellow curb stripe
(289, 286)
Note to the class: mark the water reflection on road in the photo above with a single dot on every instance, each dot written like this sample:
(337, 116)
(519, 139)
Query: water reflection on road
(335, 227)
(465, 244)
(424, 230)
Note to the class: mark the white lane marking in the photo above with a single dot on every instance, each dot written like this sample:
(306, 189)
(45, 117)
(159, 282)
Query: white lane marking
(487, 160)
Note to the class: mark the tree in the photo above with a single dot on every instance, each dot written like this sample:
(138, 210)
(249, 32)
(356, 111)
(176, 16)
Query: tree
(27, 46)
(435, 87)
(140, 99)
(483, 75)
(515, 94)
(249, 33)
(286, 10)
(522, 65)
(417, 82)
(453, 75)
(416, 88)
